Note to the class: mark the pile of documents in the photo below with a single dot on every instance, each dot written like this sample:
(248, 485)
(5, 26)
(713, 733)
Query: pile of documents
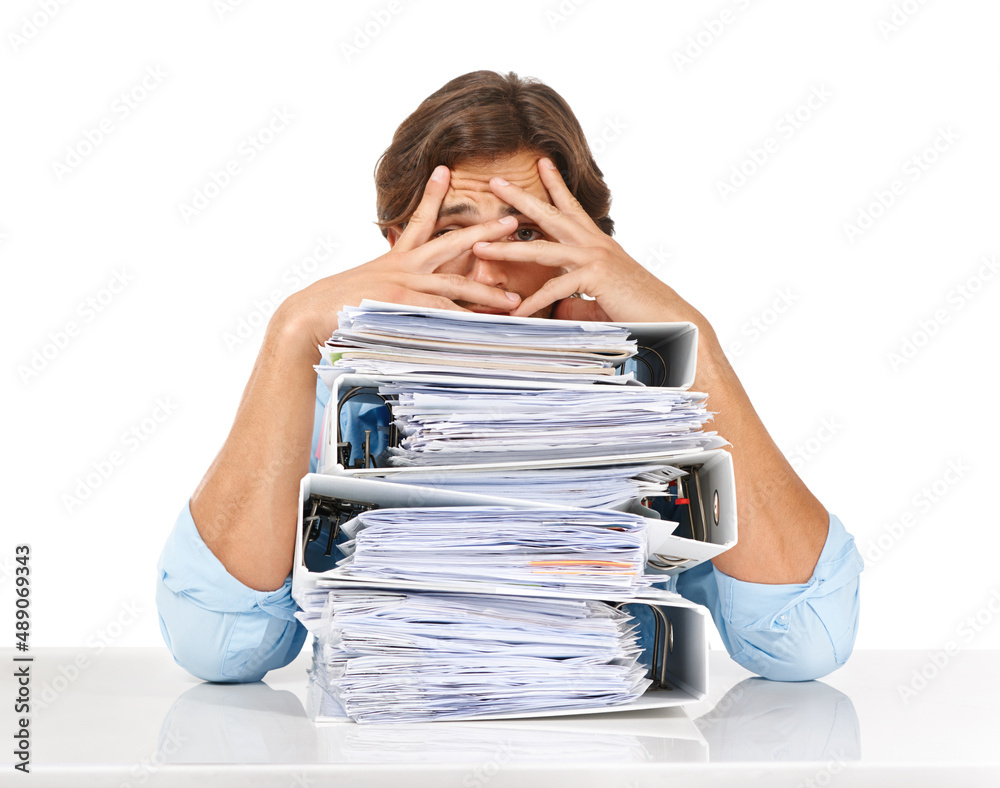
(438, 606)
(595, 553)
(443, 424)
(601, 487)
(398, 656)
(389, 340)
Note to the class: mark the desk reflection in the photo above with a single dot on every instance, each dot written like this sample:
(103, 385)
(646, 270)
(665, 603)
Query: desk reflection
(237, 723)
(761, 720)
(756, 720)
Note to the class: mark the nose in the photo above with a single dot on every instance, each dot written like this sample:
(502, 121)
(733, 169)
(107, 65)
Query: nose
(488, 272)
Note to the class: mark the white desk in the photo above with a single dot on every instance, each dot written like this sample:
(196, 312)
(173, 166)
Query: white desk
(131, 717)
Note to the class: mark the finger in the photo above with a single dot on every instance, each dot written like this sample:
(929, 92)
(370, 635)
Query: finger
(543, 252)
(420, 225)
(563, 198)
(416, 298)
(450, 245)
(554, 290)
(579, 309)
(557, 225)
(458, 288)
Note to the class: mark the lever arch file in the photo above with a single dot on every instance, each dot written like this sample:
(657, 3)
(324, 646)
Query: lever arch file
(677, 660)
(391, 339)
(414, 562)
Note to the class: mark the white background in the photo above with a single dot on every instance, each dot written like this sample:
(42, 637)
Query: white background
(666, 132)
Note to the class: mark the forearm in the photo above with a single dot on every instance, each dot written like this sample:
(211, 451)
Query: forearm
(212, 626)
(246, 505)
(782, 525)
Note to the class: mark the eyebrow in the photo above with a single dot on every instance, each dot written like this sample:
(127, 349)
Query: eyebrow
(471, 209)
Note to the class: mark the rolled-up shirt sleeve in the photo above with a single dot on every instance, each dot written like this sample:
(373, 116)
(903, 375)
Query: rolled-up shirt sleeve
(790, 632)
(217, 628)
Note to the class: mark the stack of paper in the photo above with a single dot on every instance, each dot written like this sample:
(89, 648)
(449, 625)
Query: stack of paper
(390, 340)
(389, 656)
(603, 487)
(598, 553)
(443, 424)
(456, 611)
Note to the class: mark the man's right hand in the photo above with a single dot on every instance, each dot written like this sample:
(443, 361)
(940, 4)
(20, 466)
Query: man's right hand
(246, 506)
(405, 274)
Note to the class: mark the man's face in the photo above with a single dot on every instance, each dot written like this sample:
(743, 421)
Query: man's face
(471, 201)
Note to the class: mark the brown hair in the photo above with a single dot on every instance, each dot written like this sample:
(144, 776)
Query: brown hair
(484, 115)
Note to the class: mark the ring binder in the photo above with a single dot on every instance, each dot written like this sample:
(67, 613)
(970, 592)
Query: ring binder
(326, 513)
(678, 654)
(642, 357)
(440, 403)
(344, 448)
(663, 645)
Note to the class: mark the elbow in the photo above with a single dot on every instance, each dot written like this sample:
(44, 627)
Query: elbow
(196, 638)
(215, 627)
(805, 663)
(226, 647)
(819, 639)
(191, 647)
(198, 663)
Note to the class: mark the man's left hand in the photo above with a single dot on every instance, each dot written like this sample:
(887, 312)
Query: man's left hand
(593, 263)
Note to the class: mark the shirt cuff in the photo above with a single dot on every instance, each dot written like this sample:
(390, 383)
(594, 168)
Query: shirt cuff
(793, 631)
(743, 603)
(188, 567)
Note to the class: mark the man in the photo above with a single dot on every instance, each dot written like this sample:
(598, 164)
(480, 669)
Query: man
(491, 202)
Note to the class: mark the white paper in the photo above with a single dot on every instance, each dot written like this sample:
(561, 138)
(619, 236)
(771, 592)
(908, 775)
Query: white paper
(602, 487)
(392, 339)
(588, 552)
(408, 656)
(448, 424)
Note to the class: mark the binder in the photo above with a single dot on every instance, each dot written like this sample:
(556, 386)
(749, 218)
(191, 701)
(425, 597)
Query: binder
(680, 655)
(623, 739)
(710, 482)
(666, 355)
(666, 358)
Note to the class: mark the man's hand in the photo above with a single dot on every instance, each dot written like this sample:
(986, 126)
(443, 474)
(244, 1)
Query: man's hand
(594, 263)
(781, 536)
(406, 274)
(246, 506)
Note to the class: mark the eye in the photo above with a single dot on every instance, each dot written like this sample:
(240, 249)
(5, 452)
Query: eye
(439, 233)
(534, 234)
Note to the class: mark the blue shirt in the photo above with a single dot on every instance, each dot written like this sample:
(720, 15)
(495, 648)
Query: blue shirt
(221, 630)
